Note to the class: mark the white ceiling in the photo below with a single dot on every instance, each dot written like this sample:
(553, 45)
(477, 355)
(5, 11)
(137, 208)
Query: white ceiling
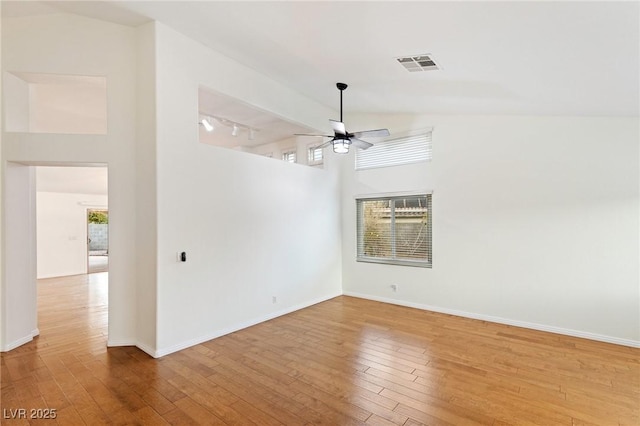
(539, 57)
(74, 180)
(543, 58)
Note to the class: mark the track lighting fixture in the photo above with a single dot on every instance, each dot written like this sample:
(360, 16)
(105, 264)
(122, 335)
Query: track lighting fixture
(207, 121)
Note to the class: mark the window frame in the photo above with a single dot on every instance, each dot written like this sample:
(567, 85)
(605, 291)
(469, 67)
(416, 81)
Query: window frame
(400, 149)
(360, 257)
(311, 149)
(290, 153)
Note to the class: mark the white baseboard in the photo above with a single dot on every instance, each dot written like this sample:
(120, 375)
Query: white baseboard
(142, 346)
(500, 320)
(146, 349)
(227, 330)
(116, 343)
(21, 341)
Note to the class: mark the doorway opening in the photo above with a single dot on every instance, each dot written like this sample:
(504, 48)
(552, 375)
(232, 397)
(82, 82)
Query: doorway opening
(64, 196)
(46, 227)
(97, 241)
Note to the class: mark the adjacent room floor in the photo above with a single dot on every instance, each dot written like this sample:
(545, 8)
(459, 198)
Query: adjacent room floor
(98, 263)
(344, 361)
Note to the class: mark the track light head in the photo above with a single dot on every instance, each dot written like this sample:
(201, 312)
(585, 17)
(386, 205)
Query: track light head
(206, 123)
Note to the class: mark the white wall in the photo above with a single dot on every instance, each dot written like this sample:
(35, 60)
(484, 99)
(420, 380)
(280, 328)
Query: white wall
(146, 232)
(19, 312)
(68, 104)
(2, 215)
(62, 232)
(148, 226)
(252, 227)
(16, 118)
(73, 45)
(535, 223)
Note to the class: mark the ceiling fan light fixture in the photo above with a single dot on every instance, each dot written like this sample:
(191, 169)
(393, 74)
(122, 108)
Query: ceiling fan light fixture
(341, 146)
(341, 139)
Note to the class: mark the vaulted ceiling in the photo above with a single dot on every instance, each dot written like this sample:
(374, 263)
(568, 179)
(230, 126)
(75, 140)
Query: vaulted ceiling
(538, 57)
(541, 58)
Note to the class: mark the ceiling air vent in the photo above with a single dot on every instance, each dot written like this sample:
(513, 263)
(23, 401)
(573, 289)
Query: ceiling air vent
(416, 63)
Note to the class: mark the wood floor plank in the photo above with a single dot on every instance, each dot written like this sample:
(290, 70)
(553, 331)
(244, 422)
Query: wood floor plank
(333, 412)
(148, 416)
(260, 397)
(375, 420)
(198, 412)
(69, 416)
(377, 410)
(441, 409)
(254, 414)
(344, 361)
(178, 417)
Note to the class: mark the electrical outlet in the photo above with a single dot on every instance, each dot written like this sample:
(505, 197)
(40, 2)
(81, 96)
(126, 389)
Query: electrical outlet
(394, 287)
(274, 299)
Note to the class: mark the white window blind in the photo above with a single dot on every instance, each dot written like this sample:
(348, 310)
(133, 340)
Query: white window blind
(289, 156)
(314, 156)
(395, 230)
(397, 151)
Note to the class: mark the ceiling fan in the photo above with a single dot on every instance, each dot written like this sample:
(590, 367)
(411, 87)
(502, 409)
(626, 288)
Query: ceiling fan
(341, 139)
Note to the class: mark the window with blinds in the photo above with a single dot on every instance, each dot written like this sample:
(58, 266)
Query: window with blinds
(395, 230)
(314, 156)
(289, 156)
(395, 152)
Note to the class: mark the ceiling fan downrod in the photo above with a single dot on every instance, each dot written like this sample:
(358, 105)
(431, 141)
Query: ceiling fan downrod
(341, 87)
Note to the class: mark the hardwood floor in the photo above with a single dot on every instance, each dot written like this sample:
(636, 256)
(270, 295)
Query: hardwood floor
(98, 263)
(342, 362)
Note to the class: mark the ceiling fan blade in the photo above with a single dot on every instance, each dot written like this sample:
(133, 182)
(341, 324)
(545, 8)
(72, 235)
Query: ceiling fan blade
(338, 127)
(323, 145)
(372, 133)
(359, 143)
(309, 134)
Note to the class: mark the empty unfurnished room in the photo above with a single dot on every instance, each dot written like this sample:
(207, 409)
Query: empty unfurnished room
(320, 213)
